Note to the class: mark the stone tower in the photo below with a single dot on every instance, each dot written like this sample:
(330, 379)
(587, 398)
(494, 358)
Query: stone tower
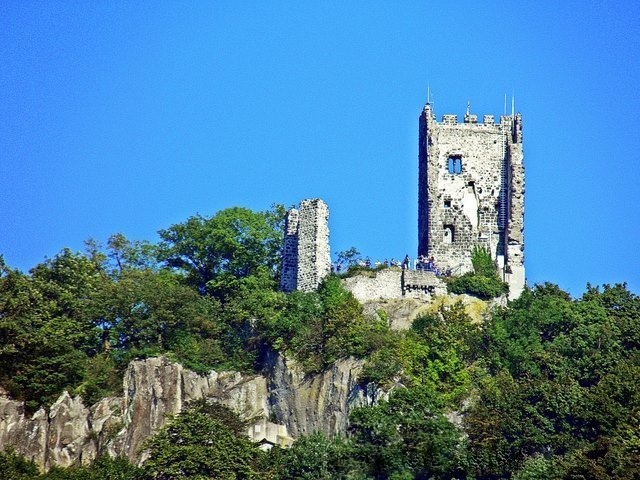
(306, 260)
(471, 192)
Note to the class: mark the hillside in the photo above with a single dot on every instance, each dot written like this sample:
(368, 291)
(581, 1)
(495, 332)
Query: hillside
(394, 387)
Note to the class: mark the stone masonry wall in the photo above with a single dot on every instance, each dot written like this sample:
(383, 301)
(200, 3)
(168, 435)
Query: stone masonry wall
(314, 259)
(394, 283)
(289, 275)
(471, 193)
(515, 274)
(306, 257)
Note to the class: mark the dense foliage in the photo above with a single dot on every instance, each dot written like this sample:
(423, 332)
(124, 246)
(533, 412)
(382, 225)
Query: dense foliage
(544, 388)
(202, 442)
(75, 321)
(483, 282)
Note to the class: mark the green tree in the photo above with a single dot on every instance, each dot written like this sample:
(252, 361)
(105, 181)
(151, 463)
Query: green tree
(348, 258)
(148, 313)
(15, 467)
(102, 468)
(235, 241)
(47, 326)
(563, 395)
(199, 444)
(124, 254)
(320, 328)
(439, 353)
(101, 379)
(317, 457)
(408, 435)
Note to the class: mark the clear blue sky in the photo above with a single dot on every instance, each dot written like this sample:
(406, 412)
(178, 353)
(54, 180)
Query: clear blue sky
(131, 116)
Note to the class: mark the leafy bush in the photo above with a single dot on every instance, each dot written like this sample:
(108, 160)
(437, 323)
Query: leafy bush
(16, 467)
(482, 262)
(408, 437)
(478, 285)
(317, 457)
(319, 328)
(102, 468)
(102, 379)
(483, 282)
(438, 353)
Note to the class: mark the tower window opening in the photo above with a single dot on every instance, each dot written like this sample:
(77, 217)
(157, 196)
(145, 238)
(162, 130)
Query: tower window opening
(454, 164)
(447, 204)
(448, 234)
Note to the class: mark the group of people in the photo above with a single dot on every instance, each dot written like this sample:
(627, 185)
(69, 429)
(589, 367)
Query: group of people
(422, 263)
(429, 264)
(366, 263)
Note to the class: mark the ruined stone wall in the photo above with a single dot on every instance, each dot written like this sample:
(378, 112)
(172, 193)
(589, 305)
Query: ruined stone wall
(420, 283)
(289, 275)
(471, 192)
(514, 270)
(385, 284)
(314, 259)
(395, 283)
(306, 258)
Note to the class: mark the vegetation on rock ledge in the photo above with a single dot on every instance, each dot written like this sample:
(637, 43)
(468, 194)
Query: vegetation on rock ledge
(483, 282)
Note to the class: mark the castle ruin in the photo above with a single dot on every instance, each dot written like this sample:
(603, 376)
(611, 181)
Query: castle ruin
(306, 261)
(471, 193)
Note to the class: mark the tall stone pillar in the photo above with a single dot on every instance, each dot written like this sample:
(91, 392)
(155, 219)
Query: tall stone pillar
(306, 260)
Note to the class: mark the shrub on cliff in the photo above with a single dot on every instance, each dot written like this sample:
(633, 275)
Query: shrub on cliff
(16, 467)
(478, 286)
(483, 282)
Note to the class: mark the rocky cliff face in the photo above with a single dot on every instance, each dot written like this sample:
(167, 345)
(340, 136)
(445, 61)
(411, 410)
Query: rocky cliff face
(322, 402)
(70, 432)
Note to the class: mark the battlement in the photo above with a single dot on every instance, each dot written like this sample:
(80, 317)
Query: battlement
(471, 119)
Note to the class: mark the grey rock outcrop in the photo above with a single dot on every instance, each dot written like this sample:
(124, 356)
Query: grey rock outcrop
(321, 402)
(28, 434)
(68, 432)
(156, 388)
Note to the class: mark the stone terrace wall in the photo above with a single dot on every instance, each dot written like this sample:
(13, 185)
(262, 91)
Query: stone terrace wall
(418, 283)
(385, 284)
(394, 283)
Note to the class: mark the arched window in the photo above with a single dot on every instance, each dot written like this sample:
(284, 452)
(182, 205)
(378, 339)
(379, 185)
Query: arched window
(448, 235)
